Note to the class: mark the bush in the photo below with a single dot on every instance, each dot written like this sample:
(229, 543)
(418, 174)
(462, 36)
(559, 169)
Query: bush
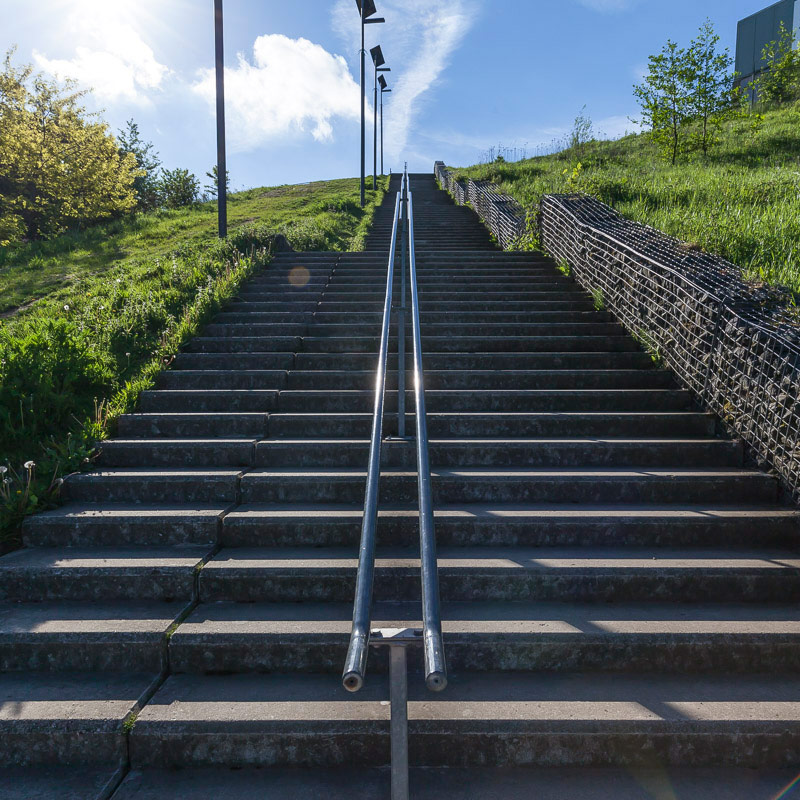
(178, 188)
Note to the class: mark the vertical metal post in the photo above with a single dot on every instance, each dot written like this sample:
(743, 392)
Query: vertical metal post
(363, 113)
(222, 171)
(398, 693)
(381, 133)
(375, 133)
(401, 318)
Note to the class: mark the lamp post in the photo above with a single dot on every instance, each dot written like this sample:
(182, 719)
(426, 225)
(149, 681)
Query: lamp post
(384, 90)
(366, 10)
(222, 172)
(378, 60)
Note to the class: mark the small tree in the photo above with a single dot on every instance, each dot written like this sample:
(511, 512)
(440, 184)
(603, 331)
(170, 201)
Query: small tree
(665, 96)
(781, 79)
(146, 184)
(712, 99)
(210, 189)
(177, 188)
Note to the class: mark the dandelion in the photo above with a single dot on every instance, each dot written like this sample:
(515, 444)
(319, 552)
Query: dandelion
(3, 470)
(127, 355)
(29, 464)
(66, 308)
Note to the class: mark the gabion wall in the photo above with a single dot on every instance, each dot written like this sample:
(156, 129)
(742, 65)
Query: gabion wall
(735, 345)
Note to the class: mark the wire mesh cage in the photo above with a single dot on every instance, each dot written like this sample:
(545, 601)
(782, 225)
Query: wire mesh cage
(735, 344)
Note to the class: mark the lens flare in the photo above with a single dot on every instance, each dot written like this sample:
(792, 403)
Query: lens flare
(785, 791)
(299, 277)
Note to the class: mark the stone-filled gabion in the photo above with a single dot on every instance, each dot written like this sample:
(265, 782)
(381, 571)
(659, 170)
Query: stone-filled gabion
(734, 344)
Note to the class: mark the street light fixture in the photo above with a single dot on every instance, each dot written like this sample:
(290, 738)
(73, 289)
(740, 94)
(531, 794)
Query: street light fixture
(378, 60)
(384, 90)
(222, 172)
(366, 10)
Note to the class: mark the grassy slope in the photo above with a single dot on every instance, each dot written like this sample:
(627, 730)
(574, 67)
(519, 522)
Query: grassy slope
(112, 305)
(318, 215)
(742, 202)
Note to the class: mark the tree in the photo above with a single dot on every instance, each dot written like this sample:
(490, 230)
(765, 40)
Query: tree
(665, 96)
(148, 162)
(710, 80)
(177, 188)
(210, 188)
(780, 81)
(60, 167)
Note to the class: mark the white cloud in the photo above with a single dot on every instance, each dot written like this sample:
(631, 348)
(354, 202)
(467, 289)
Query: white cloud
(609, 6)
(292, 86)
(418, 41)
(111, 57)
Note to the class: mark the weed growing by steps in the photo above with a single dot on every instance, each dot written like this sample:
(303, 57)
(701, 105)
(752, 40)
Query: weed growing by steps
(67, 372)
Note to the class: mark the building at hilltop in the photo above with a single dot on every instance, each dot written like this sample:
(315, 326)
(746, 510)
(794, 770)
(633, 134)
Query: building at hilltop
(758, 30)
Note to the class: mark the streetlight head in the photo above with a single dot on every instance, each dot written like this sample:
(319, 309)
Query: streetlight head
(369, 7)
(377, 56)
(384, 69)
(382, 82)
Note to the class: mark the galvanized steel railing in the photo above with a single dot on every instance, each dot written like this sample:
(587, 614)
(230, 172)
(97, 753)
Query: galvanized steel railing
(361, 635)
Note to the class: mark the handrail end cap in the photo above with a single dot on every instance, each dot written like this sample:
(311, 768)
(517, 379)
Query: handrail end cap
(352, 681)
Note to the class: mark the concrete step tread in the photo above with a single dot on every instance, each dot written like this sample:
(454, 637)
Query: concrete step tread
(87, 514)
(64, 783)
(489, 702)
(511, 559)
(486, 783)
(87, 620)
(573, 620)
(107, 559)
(628, 473)
(509, 512)
(73, 700)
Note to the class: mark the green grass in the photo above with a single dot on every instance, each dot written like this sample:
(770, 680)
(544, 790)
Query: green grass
(741, 202)
(110, 307)
(325, 215)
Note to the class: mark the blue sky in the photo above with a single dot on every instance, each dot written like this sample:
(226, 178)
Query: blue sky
(466, 74)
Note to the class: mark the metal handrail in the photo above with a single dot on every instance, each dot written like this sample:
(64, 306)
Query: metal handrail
(435, 669)
(356, 661)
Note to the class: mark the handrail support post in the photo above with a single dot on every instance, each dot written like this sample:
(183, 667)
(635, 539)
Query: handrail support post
(398, 640)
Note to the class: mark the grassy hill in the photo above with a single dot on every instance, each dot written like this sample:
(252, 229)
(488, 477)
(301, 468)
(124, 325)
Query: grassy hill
(90, 318)
(741, 202)
(325, 215)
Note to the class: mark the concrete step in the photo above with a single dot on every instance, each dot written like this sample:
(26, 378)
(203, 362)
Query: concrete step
(73, 636)
(468, 783)
(259, 344)
(154, 487)
(503, 344)
(222, 379)
(476, 400)
(660, 424)
(267, 360)
(243, 401)
(452, 379)
(82, 525)
(503, 453)
(225, 638)
(67, 719)
(66, 783)
(232, 425)
(433, 362)
(155, 572)
(584, 575)
(454, 486)
(472, 452)
(532, 525)
(521, 719)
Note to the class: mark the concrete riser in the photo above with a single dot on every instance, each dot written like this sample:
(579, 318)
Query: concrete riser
(462, 585)
(698, 745)
(459, 490)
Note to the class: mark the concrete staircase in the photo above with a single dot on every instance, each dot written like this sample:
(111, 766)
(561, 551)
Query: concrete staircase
(620, 593)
